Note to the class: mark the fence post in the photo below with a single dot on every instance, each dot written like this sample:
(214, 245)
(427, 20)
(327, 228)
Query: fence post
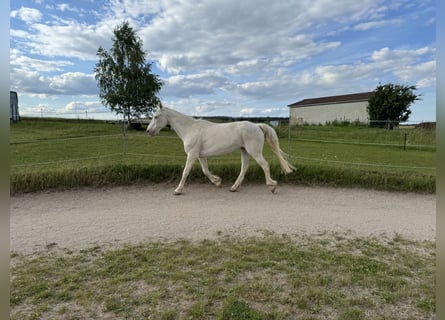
(404, 141)
(125, 139)
(421, 135)
(288, 139)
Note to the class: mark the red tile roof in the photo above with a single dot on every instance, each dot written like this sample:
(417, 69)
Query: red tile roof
(363, 96)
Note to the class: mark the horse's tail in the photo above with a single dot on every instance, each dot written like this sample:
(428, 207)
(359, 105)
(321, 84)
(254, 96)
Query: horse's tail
(272, 139)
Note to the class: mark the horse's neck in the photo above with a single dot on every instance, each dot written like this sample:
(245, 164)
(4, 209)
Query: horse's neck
(181, 123)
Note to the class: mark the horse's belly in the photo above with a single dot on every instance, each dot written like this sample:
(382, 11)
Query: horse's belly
(219, 148)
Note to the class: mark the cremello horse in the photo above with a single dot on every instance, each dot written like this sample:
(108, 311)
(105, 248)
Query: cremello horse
(204, 139)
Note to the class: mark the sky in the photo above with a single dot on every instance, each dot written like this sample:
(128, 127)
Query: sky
(225, 57)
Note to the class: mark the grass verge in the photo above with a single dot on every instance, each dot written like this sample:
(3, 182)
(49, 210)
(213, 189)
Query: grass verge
(121, 174)
(325, 276)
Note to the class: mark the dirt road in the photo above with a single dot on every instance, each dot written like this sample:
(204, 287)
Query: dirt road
(78, 219)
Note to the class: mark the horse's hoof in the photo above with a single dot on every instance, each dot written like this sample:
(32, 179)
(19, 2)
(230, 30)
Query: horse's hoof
(177, 193)
(273, 189)
(233, 190)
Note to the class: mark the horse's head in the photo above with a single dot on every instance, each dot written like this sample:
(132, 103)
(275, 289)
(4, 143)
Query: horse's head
(158, 121)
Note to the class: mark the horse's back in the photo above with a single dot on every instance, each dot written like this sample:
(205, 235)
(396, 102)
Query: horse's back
(244, 130)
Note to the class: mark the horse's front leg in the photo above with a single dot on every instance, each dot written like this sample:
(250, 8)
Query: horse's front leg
(191, 158)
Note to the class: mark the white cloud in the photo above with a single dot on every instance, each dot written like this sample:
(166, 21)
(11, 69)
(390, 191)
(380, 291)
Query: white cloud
(75, 106)
(74, 83)
(82, 106)
(384, 65)
(397, 55)
(133, 9)
(270, 111)
(233, 34)
(423, 73)
(370, 25)
(67, 7)
(18, 60)
(28, 15)
(34, 110)
(226, 55)
(194, 84)
(247, 112)
(183, 36)
(208, 107)
(69, 83)
(71, 40)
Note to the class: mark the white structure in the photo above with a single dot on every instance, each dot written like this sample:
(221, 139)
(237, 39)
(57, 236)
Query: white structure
(14, 106)
(348, 107)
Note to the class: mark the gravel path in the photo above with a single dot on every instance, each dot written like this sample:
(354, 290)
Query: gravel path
(82, 218)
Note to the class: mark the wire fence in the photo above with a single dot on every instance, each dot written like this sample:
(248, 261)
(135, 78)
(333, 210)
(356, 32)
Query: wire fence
(136, 147)
(77, 114)
(413, 134)
(363, 164)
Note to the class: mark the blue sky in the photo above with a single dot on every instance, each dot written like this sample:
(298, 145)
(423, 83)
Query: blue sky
(231, 57)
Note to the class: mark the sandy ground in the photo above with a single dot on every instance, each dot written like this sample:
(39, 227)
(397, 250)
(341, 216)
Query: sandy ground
(78, 219)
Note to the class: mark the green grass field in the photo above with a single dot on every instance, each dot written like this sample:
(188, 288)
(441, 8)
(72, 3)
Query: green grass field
(326, 276)
(49, 153)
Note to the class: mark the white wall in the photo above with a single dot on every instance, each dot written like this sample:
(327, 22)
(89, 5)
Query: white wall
(14, 107)
(316, 114)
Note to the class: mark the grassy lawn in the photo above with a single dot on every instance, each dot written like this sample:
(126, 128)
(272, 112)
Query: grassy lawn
(325, 276)
(57, 153)
(415, 137)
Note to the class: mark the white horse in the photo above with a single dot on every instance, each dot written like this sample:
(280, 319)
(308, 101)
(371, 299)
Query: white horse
(204, 139)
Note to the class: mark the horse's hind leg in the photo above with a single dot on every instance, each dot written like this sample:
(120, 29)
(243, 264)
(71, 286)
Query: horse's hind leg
(245, 158)
(265, 166)
(255, 149)
(205, 169)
